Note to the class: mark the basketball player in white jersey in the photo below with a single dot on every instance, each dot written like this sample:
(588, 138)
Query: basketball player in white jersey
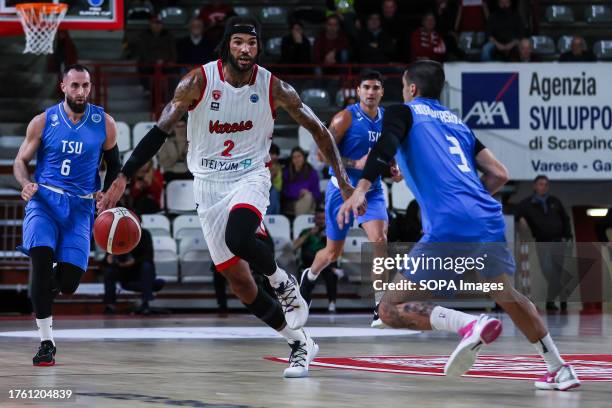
(232, 105)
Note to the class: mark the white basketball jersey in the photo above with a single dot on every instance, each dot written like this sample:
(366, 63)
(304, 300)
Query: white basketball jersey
(230, 129)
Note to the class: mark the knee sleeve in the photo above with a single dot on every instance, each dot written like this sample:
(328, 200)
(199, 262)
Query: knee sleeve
(42, 275)
(267, 309)
(69, 277)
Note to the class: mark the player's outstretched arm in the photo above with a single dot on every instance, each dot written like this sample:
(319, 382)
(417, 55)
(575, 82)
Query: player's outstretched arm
(26, 153)
(494, 173)
(187, 93)
(287, 98)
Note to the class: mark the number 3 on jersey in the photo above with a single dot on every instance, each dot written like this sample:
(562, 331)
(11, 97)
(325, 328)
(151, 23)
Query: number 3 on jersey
(456, 149)
(229, 145)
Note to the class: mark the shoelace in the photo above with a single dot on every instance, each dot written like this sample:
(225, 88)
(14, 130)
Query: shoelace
(298, 354)
(44, 349)
(286, 295)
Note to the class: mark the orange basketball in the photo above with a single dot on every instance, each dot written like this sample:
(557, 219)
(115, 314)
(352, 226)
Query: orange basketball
(117, 230)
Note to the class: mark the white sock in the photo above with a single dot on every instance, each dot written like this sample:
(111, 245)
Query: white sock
(45, 329)
(311, 276)
(448, 319)
(547, 349)
(277, 277)
(293, 335)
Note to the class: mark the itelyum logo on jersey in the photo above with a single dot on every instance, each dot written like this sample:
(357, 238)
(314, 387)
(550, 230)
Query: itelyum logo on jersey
(490, 100)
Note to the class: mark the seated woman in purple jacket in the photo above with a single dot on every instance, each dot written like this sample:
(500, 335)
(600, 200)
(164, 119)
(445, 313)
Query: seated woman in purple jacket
(300, 185)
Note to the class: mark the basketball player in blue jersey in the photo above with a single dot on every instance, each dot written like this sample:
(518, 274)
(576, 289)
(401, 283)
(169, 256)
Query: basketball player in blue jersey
(68, 140)
(355, 129)
(439, 156)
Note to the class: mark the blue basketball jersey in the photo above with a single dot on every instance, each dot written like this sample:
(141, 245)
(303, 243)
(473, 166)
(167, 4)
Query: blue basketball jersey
(438, 162)
(69, 153)
(360, 137)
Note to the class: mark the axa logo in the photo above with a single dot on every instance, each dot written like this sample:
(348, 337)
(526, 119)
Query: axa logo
(490, 100)
(216, 127)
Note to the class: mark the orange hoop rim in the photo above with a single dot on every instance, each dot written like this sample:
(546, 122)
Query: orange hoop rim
(43, 8)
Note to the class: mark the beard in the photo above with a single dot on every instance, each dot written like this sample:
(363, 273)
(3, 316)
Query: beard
(76, 107)
(234, 63)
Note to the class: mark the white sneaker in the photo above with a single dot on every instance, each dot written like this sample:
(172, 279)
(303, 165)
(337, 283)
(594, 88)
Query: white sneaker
(294, 306)
(377, 322)
(563, 379)
(301, 356)
(483, 330)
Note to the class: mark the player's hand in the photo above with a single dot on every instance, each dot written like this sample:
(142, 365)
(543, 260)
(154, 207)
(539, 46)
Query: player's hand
(113, 194)
(360, 163)
(28, 191)
(353, 205)
(396, 174)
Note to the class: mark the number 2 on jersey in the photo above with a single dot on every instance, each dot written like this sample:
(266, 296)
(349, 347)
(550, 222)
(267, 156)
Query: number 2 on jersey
(456, 149)
(229, 145)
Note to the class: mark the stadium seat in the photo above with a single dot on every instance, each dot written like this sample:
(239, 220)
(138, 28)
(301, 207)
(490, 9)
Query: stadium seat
(385, 189)
(564, 43)
(598, 13)
(304, 138)
(279, 228)
(273, 46)
(125, 155)
(316, 98)
(194, 259)
(157, 224)
(471, 42)
(559, 14)
(273, 15)
(9, 146)
(140, 130)
(173, 16)
(165, 258)
(603, 50)
(242, 11)
(179, 196)
(543, 45)
(124, 142)
(350, 261)
(302, 222)
(141, 12)
(323, 185)
(187, 226)
(402, 196)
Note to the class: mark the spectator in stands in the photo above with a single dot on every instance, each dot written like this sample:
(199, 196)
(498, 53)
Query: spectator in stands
(276, 173)
(345, 11)
(300, 185)
(374, 45)
(295, 46)
(426, 42)
(173, 154)
(525, 52)
(550, 226)
(146, 190)
(154, 46)
(445, 14)
(472, 15)
(331, 45)
(194, 49)
(504, 29)
(393, 25)
(135, 272)
(578, 52)
(309, 242)
(214, 16)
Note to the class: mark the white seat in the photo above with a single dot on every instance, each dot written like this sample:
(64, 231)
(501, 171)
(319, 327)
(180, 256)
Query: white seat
(273, 46)
(173, 16)
(351, 258)
(603, 50)
(301, 223)
(385, 189)
(140, 130)
(559, 14)
(316, 97)
(242, 11)
(471, 42)
(304, 138)
(598, 13)
(402, 196)
(543, 45)
(124, 139)
(165, 258)
(11, 142)
(125, 156)
(353, 245)
(187, 226)
(157, 224)
(179, 196)
(273, 15)
(279, 228)
(323, 185)
(194, 258)
(564, 43)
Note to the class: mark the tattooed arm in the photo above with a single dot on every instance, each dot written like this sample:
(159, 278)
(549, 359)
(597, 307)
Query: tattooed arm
(187, 94)
(286, 97)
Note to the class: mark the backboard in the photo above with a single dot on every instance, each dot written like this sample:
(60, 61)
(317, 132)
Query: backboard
(81, 15)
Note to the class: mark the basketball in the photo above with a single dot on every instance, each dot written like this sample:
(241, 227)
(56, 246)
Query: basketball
(117, 230)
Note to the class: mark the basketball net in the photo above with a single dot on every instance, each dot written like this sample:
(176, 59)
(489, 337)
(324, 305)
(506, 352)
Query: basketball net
(40, 22)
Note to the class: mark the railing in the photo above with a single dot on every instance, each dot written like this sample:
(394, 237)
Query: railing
(160, 77)
(11, 221)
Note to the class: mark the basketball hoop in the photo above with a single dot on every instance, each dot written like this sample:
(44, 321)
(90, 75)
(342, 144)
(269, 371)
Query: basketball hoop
(40, 22)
